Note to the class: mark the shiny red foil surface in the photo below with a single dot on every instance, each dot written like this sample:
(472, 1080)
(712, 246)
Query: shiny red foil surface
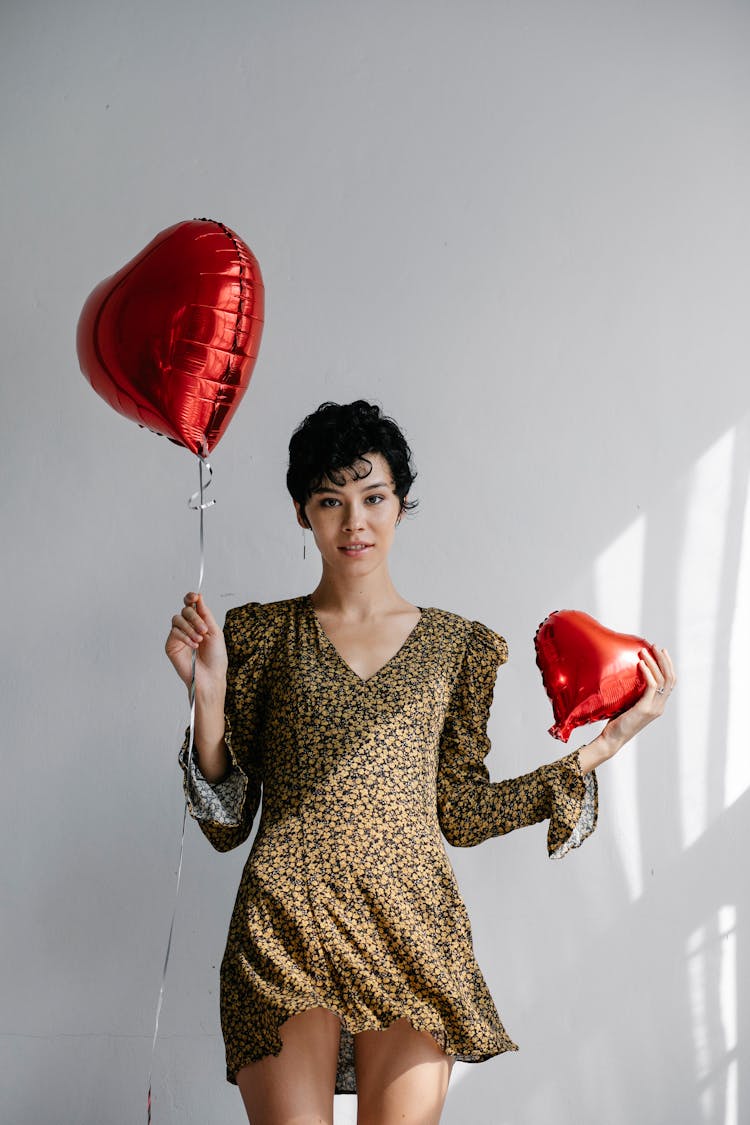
(590, 672)
(171, 339)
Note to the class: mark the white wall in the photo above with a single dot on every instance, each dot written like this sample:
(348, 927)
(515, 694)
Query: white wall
(523, 228)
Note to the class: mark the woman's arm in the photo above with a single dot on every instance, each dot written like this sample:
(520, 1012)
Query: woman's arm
(194, 629)
(209, 744)
(472, 808)
(660, 680)
(230, 708)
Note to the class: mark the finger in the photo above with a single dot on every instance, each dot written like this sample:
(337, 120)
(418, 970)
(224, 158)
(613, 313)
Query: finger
(194, 630)
(651, 663)
(648, 675)
(668, 668)
(181, 638)
(200, 608)
(193, 617)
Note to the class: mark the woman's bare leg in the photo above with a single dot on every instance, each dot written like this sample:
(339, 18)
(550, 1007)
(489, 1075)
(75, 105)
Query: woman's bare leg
(296, 1086)
(402, 1076)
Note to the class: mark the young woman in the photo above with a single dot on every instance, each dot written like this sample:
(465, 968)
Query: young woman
(363, 719)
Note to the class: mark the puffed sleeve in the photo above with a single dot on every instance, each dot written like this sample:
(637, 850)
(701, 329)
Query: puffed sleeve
(471, 808)
(225, 810)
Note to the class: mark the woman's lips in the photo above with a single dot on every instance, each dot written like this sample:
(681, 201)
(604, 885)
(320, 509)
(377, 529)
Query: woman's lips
(355, 550)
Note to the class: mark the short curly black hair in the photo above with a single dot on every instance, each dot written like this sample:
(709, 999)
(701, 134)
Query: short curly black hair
(335, 439)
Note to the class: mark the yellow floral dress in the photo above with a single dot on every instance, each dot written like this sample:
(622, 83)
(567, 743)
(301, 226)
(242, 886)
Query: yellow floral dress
(348, 900)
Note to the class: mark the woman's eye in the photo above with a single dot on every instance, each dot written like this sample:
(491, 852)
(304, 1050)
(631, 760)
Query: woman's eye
(333, 502)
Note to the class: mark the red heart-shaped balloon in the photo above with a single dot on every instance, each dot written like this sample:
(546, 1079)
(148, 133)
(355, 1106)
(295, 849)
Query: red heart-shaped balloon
(589, 672)
(170, 340)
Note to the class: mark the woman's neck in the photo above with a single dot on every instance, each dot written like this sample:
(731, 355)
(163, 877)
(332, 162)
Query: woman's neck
(357, 598)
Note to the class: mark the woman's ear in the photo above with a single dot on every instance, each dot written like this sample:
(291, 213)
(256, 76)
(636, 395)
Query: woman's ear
(301, 518)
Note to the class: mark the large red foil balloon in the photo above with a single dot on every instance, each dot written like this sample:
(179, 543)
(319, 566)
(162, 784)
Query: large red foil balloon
(589, 672)
(170, 340)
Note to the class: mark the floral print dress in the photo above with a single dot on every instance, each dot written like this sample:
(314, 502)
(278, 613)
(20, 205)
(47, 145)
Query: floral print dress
(348, 900)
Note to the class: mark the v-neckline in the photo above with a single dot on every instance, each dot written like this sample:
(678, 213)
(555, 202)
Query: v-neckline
(307, 598)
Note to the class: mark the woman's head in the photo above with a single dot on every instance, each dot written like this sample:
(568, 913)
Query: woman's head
(333, 444)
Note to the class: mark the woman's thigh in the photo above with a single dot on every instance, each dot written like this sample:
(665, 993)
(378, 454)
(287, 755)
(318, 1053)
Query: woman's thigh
(402, 1075)
(296, 1086)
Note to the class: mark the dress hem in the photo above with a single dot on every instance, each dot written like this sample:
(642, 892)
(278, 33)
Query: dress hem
(504, 1045)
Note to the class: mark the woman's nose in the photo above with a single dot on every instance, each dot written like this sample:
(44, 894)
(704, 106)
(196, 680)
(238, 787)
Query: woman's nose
(353, 518)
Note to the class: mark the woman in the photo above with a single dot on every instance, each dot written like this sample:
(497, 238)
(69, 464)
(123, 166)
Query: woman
(363, 719)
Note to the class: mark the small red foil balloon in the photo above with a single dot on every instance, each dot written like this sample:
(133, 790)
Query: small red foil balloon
(590, 673)
(170, 341)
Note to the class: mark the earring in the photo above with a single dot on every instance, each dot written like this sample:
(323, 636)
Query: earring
(304, 544)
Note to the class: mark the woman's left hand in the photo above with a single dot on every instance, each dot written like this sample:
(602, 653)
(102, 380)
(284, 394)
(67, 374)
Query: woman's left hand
(660, 680)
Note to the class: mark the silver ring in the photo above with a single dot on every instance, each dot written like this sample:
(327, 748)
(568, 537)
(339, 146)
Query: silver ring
(660, 691)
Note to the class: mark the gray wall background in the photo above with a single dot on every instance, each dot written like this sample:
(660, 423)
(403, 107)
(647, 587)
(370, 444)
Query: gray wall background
(523, 228)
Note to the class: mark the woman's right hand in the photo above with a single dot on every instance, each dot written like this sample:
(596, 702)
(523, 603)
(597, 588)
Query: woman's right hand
(194, 629)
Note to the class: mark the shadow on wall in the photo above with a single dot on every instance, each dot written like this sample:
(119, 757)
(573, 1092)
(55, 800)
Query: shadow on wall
(652, 1000)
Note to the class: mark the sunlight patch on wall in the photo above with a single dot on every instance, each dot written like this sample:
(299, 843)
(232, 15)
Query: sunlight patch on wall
(618, 579)
(698, 596)
(737, 776)
(711, 957)
(459, 1073)
(344, 1110)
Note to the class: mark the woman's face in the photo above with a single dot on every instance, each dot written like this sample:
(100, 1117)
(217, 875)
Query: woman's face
(353, 524)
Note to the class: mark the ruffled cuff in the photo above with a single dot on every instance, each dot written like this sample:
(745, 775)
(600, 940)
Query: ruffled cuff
(220, 802)
(575, 805)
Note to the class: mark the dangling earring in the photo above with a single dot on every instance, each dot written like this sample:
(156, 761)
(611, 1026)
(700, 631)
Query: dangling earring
(304, 543)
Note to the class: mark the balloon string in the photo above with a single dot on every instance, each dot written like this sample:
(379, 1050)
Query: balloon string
(196, 503)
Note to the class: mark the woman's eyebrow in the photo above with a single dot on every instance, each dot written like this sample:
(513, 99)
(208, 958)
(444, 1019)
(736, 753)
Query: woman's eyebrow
(330, 488)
